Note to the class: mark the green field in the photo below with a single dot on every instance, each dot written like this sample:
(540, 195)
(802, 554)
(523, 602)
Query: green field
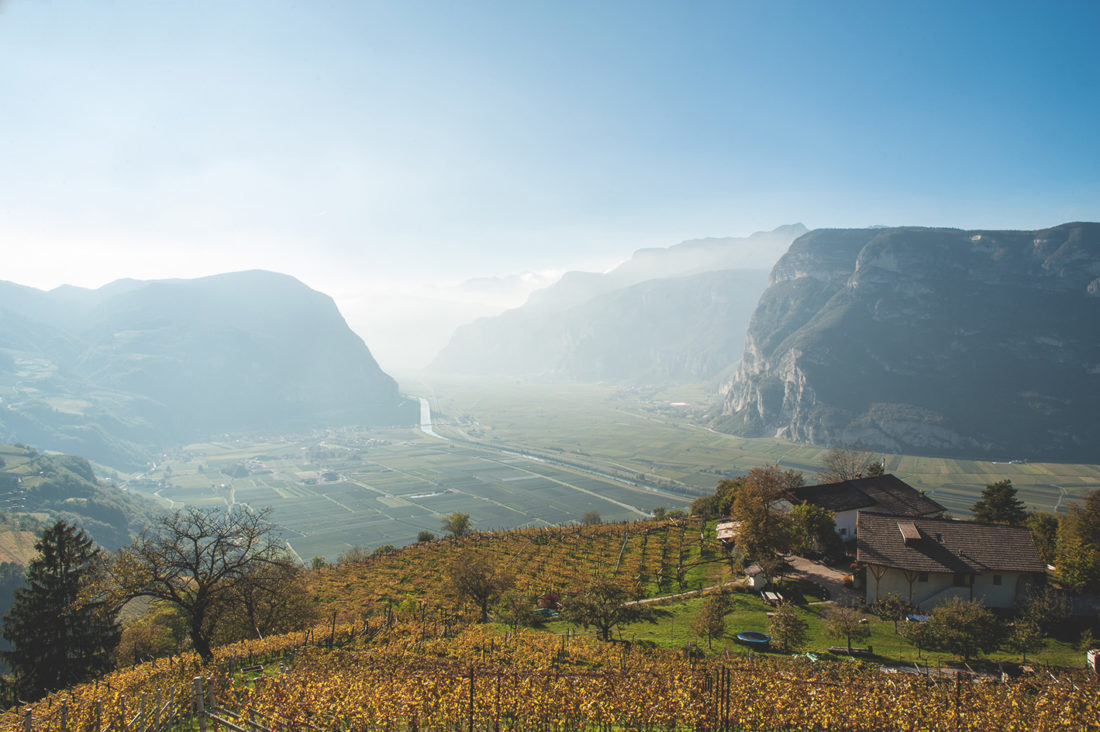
(367, 489)
(654, 431)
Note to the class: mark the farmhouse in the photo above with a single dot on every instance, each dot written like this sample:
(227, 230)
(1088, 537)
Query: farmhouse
(927, 560)
(880, 494)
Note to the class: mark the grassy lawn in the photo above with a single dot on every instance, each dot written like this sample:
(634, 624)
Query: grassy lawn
(671, 628)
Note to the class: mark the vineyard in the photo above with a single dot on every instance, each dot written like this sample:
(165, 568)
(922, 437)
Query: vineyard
(656, 557)
(397, 674)
(397, 654)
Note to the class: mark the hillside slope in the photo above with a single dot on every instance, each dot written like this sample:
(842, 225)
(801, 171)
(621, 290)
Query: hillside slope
(37, 489)
(943, 341)
(110, 373)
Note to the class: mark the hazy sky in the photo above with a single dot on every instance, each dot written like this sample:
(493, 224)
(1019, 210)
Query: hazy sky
(384, 152)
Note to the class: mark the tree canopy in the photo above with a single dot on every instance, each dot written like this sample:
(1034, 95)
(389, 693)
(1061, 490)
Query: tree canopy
(787, 628)
(456, 524)
(62, 627)
(999, 505)
(813, 529)
(479, 581)
(965, 628)
(1044, 531)
(1078, 555)
(764, 529)
(846, 622)
(602, 604)
(710, 622)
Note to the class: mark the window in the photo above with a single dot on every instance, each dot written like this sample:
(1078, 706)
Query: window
(996, 579)
(960, 580)
(922, 577)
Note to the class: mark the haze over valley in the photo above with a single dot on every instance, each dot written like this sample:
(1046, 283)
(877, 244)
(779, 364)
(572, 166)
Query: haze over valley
(617, 392)
(485, 365)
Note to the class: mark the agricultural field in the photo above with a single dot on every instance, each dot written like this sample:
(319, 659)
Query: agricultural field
(661, 432)
(348, 488)
(332, 492)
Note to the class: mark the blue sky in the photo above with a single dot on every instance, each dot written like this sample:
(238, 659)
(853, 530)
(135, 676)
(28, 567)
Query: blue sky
(383, 152)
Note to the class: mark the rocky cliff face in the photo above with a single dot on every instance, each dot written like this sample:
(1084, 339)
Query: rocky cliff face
(132, 365)
(665, 315)
(928, 340)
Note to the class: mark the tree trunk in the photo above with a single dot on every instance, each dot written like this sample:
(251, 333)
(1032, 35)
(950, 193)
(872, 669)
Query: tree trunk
(199, 641)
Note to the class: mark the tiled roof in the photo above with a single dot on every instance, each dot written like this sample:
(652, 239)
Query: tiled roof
(881, 493)
(963, 547)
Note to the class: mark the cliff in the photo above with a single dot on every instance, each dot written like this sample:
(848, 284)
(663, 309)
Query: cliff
(978, 343)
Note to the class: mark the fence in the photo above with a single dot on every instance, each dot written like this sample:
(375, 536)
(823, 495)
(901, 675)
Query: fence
(434, 693)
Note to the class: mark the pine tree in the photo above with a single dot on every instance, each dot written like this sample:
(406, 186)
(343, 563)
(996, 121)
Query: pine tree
(59, 632)
(999, 505)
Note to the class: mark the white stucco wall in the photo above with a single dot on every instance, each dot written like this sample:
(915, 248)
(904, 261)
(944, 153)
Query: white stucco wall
(939, 587)
(846, 524)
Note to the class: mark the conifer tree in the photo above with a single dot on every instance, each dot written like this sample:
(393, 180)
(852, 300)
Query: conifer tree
(999, 505)
(61, 633)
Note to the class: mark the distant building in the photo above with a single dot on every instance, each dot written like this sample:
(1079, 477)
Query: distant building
(927, 560)
(881, 494)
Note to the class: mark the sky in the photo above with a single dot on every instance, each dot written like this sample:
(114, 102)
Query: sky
(388, 153)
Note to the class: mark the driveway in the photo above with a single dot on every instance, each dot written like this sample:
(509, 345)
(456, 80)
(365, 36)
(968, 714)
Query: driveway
(829, 578)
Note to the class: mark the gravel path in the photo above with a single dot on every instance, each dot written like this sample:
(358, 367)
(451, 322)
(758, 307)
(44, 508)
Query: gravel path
(829, 578)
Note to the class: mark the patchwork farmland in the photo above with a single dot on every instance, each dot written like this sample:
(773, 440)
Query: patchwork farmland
(328, 495)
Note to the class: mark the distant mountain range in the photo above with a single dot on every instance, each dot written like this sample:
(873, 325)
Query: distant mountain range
(943, 341)
(675, 314)
(113, 372)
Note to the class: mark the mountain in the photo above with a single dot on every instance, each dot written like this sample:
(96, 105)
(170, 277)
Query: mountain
(943, 341)
(110, 373)
(663, 315)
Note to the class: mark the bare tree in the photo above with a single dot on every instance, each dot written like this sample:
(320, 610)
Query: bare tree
(850, 461)
(194, 559)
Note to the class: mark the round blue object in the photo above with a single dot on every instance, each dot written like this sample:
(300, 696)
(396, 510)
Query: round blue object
(752, 638)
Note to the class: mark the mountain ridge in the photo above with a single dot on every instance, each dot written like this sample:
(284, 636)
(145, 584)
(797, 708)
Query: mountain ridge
(600, 326)
(913, 339)
(113, 372)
